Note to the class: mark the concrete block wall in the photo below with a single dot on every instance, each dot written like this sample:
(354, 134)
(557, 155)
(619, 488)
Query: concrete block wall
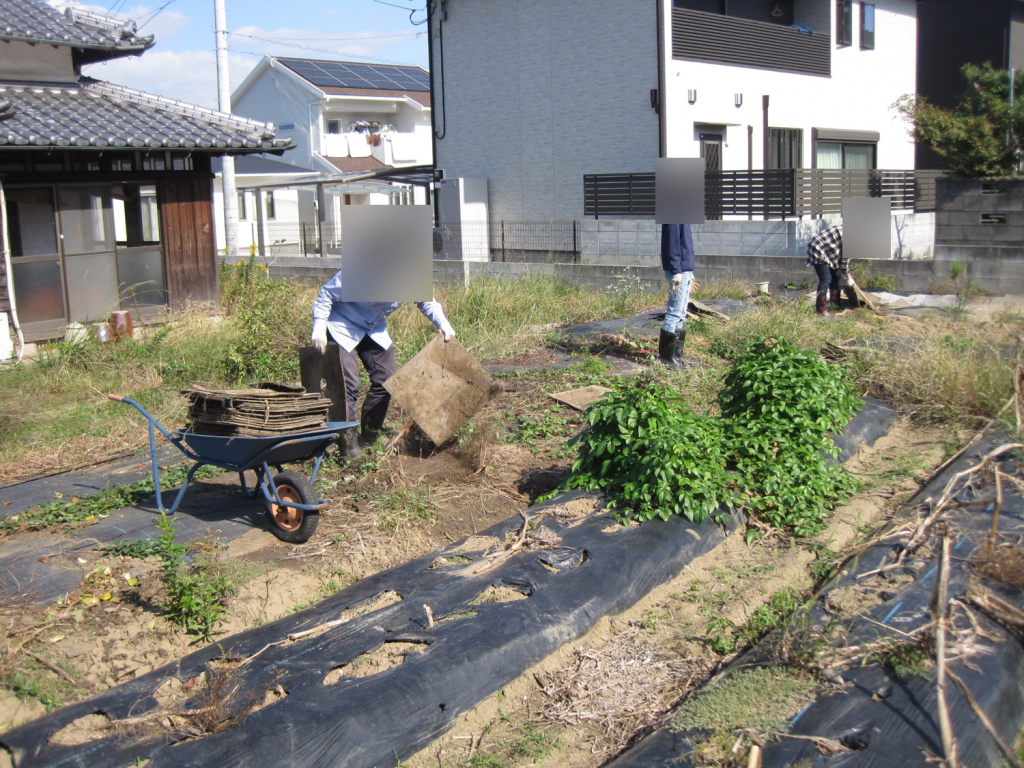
(635, 242)
(992, 252)
(998, 277)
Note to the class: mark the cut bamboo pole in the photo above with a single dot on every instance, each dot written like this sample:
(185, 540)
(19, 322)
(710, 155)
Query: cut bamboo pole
(940, 606)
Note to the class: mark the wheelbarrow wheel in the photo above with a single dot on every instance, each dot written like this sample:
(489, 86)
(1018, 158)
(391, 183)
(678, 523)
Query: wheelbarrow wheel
(288, 523)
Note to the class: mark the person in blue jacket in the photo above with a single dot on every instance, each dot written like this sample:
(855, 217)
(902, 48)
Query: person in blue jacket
(677, 259)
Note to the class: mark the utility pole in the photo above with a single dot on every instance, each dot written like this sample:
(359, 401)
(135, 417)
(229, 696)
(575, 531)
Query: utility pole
(227, 181)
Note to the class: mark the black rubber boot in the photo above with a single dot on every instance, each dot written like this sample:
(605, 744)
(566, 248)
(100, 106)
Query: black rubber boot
(372, 422)
(821, 305)
(670, 350)
(684, 361)
(348, 445)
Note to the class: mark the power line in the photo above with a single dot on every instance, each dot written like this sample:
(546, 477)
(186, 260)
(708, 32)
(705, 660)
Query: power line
(328, 39)
(156, 13)
(324, 50)
(411, 11)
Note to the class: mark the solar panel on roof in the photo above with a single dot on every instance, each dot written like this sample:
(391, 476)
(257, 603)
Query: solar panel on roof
(350, 75)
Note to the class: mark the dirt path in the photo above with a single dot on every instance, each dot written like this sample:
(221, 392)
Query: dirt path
(587, 701)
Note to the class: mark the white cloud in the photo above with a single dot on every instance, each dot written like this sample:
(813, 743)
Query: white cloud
(189, 76)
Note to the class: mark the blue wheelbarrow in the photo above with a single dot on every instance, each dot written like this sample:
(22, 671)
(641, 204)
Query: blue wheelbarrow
(292, 506)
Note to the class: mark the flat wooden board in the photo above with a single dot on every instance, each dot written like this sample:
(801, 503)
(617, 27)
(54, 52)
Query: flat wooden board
(580, 399)
(441, 388)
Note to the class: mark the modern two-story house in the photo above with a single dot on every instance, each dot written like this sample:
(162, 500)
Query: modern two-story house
(534, 95)
(346, 119)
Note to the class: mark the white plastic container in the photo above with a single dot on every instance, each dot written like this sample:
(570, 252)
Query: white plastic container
(6, 343)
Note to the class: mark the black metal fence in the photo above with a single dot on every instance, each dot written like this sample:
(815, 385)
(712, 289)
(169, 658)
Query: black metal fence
(772, 194)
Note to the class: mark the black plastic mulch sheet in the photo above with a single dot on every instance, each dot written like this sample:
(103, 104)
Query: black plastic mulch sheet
(883, 717)
(598, 568)
(372, 721)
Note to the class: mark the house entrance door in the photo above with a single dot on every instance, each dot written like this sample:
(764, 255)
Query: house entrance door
(35, 258)
(87, 240)
(711, 151)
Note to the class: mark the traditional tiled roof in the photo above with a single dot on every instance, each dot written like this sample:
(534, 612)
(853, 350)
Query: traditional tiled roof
(97, 114)
(36, 22)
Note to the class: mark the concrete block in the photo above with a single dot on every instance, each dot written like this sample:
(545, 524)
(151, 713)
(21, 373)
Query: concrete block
(738, 226)
(731, 239)
(648, 236)
(607, 225)
(627, 225)
(709, 226)
(949, 234)
(711, 239)
(652, 250)
(776, 227)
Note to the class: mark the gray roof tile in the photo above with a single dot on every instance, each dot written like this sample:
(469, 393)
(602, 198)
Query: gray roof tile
(97, 114)
(37, 22)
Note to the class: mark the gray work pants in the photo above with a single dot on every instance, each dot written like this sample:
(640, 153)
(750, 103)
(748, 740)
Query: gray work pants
(380, 366)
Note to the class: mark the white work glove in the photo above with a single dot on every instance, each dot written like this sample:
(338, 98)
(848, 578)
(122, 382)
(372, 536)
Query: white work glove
(319, 336)
(447, 331)
(677, 280)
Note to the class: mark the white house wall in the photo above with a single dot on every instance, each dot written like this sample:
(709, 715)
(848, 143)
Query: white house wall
(542, 92)
(272, 98)
(858, 96)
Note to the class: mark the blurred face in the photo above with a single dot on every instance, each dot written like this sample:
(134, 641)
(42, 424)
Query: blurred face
(387, 253)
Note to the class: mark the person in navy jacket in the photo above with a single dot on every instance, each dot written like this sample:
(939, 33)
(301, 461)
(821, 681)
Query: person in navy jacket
(677, 259)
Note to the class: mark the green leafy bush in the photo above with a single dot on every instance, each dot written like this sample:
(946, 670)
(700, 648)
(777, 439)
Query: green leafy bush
(769, 451)
(780, 404)
(653, 454)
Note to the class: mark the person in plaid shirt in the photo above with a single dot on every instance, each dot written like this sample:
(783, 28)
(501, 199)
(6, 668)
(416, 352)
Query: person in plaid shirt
(825, 254)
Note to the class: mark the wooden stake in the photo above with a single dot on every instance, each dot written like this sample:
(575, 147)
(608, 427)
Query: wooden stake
(940, 606)
(1016, 391)
(995, 513)
(1008, 755)
(430, 616)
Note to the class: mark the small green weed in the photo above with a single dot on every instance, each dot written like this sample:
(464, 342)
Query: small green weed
(23, 686)
(140, 548)
(398, 507)
(531, 429)
(651, 619)
(96, 506)
(196, 592)
(725, 636)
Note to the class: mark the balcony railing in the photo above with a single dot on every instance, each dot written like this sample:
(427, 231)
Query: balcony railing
(773, 194)
(699, 36)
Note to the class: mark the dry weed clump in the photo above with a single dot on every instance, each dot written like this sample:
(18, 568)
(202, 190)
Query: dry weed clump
(620, 689)
(1003, 565)
(940, 381)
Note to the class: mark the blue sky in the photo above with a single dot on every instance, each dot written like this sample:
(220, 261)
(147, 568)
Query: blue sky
(182, 64)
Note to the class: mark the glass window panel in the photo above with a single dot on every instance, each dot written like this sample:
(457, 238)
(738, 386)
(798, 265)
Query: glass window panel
(142, 278)
(33, 230)
(859, 156)
(37, 291)
(84, 220)
(150, 214)
(867, 26)
(92, 286)
(120, 221)
(830, 156)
